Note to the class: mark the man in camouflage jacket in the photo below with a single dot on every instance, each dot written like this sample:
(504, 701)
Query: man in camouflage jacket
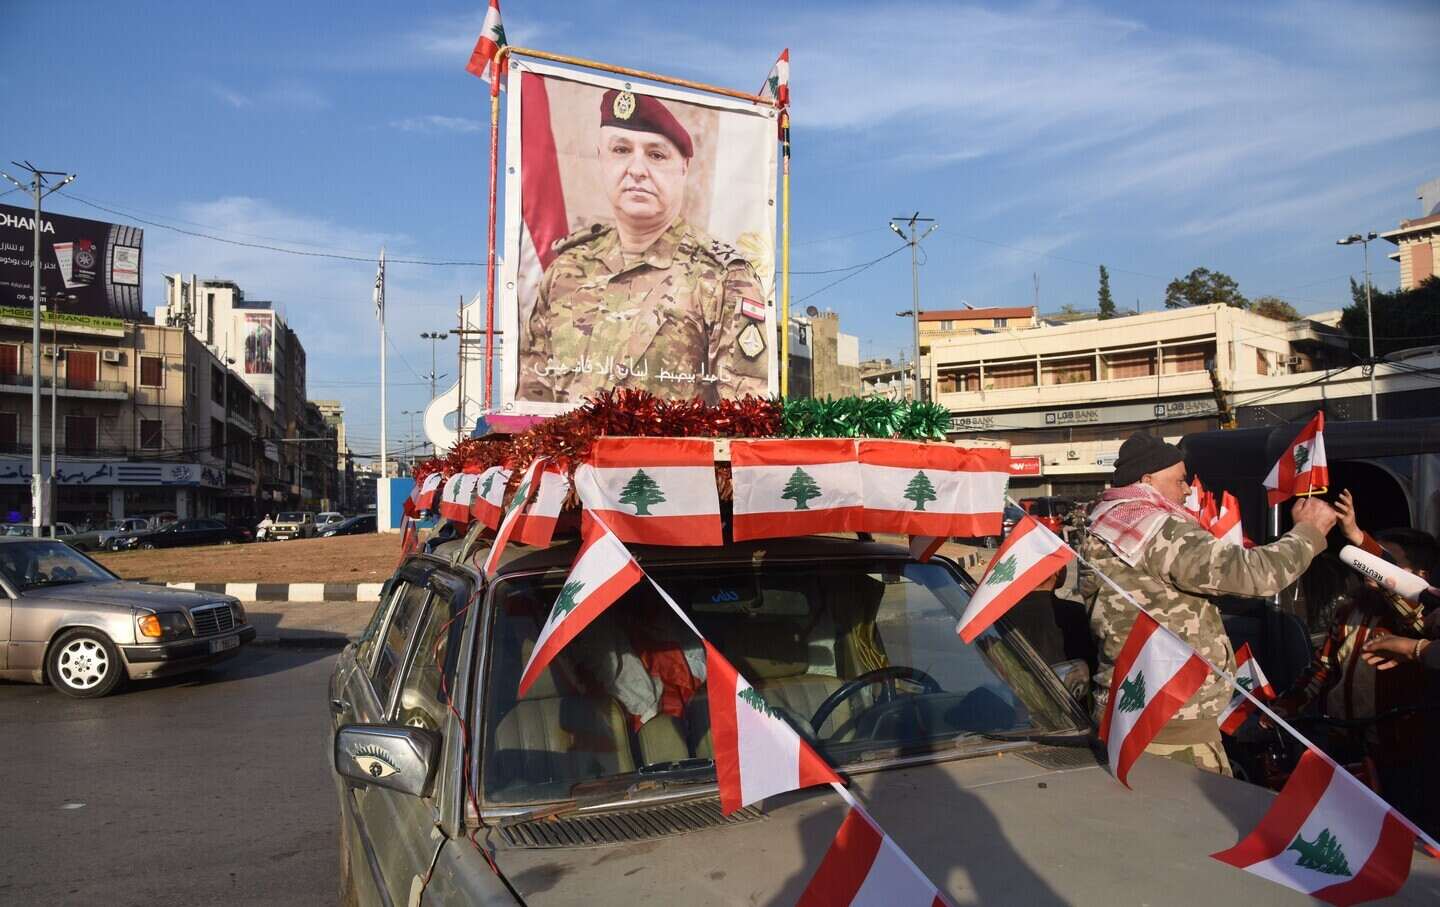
(1172, 565)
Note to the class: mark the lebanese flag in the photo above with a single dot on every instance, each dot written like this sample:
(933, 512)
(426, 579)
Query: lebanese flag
(490, 495)
(932, 489)
(1249, 676)
(777, 83)
(757, 754)
(1155, 675)
(1226, 525)
(1030, 554)
(455, 499)
(512, 514)
(1195, 500)
(429, 489)
(536, 523)
(864, 866)
(603, 571)
(1302, 469)
(492, 38)
(800, 487)
(1328, 836)
(653, 491)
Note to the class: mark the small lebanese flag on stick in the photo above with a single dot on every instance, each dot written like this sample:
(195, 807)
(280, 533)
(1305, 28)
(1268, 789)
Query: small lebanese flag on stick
(1249, 676)
(492, 38)
(757, 754)
(777, 83)
(864, 866)
(1155, 675)
(932, 489)
(603, 571)
(429, 490)
(536, 523)
(455, 499)
(653, 491)
(1195, 500)
(1327, 836)
(1302, 469)
(490, 496)
(799, 487)
(512, 513)
(1030, 554)
(1226, 526)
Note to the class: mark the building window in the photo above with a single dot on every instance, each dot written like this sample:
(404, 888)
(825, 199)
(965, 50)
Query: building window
(217, 438)
(1135, 364)
(217, 385)
(152, 434)
(1186, 359)
(947, 325)
(192, 439)
(1010, 374)
(194, 391)
(81, 436)
(1070, 371)
(1001, 322)
(9, 359)
(82, 368)
(9, 431)
(152, 371)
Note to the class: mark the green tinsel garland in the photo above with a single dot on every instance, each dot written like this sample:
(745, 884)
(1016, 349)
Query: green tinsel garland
(862, 417)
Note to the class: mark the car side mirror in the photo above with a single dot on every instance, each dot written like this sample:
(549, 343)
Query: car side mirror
(1074, 676)
(397, 758)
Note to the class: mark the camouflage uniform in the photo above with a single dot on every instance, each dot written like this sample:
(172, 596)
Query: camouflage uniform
(1173, 578)
(690, 306)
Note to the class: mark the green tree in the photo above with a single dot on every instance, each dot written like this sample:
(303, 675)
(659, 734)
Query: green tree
(920, 490)
(1302, 456)
(1002, 572)
(567, 600)
(640, 492)
(801, 489)
(1203, 286)
(1275, 307)
(1403, 318)
(1107, 302)
(1132, 694)
(1323, 854)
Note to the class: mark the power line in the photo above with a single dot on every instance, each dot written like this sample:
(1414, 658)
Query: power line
(860, 269)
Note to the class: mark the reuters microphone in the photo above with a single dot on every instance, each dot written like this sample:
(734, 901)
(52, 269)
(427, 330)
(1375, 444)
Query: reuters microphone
(1402, 582)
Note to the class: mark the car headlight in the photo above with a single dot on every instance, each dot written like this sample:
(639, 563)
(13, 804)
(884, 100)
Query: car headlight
(164, 625)
(239, 611)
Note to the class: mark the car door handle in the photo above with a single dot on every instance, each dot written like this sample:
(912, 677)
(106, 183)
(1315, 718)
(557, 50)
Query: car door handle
(339, 706)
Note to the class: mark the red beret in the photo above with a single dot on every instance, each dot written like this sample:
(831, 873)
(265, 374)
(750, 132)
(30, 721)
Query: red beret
(642, 113)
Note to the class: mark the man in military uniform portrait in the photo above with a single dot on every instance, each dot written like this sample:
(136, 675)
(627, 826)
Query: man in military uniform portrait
(650, 301)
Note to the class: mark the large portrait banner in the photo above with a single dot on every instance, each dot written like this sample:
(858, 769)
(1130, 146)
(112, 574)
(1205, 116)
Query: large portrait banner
(639, 246)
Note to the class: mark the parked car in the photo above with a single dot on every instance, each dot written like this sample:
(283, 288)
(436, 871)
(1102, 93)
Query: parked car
(576, 797)
(71, 622)
(292, 525)
(1050, 512)
(326, 518)
(202, 531)
(62, 531)
(99, 539)
(355, 525)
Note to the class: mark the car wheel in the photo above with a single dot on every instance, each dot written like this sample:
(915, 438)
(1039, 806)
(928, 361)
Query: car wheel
(84, 664)
(228, 542)
(147, 546)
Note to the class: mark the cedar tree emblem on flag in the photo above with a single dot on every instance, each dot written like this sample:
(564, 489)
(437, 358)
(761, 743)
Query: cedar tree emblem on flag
(1003, 572)
(801, 489)
(640, 492)
(1322, 854)
(1132, 694)
(920, 490)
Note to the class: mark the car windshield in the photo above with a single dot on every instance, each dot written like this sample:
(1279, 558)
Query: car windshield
(37, 564)
(628, 694)
(290, 518)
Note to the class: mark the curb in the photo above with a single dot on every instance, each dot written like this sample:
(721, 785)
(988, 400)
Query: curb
(329, 641)
(292, 592)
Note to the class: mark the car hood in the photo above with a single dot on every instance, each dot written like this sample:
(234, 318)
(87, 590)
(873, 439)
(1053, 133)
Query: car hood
(1043, 826)
(128, 595)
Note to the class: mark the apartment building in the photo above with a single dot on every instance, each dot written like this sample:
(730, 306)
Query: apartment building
(1417, 241)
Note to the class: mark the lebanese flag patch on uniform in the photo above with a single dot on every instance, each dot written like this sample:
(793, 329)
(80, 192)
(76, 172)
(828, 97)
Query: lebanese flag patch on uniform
(753, 309)
(931, 489)
(653, 491)
(1328, 836)
(603, 571)
(864, 866)
(1030, 555)
(1302, 468)
(1155, 675)
(1249, 676)
(490, 495)
(455, 499)
(801, 487)
(536, 523)
(757, 754)
(429, 490)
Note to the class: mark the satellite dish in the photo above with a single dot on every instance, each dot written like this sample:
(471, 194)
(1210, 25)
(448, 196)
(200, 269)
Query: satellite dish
(811, 311)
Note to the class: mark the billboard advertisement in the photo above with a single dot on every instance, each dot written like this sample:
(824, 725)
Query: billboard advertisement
(259, 343)
(88, 267)
(639, 246)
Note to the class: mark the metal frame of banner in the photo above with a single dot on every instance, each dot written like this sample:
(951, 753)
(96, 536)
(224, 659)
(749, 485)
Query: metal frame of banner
(501, 58)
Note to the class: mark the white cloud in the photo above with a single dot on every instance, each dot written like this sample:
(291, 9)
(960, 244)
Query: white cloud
(289, 96)
(437, 123)
(229, 96)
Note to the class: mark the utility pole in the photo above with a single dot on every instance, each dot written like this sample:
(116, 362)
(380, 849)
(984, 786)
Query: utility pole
(1364, 241)
(434, 337)
(39, 188)
(913, 242)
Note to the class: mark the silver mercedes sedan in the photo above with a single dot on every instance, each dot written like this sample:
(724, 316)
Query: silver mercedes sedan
(66, 620)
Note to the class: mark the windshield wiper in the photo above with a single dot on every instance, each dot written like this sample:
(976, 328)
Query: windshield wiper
(657, 777)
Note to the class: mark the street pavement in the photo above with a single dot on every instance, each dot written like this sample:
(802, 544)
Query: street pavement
(212, 788)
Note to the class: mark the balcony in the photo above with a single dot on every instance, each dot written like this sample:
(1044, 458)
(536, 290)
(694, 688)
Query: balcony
(1079, 393)
(93, 390)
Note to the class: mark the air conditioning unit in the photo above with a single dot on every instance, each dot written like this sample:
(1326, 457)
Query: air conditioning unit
(110, 355)
(1292, 361)
(1072, 454)
(47, 351)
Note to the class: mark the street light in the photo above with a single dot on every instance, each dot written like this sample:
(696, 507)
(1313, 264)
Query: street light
(913, 241)
(1364, 241)
(434, 337)
(412, 413)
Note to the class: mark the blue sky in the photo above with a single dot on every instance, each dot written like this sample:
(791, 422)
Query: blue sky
(1045, 138)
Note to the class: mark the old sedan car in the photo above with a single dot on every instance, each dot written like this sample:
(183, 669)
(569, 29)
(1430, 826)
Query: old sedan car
(598, 786)
(67, 620)
(99, 539)
(183, 533)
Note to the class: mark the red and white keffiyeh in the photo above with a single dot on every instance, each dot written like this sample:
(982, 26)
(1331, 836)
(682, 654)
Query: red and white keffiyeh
(1127, 518)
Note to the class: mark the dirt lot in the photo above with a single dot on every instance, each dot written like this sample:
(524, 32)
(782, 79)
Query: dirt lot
(349, 559)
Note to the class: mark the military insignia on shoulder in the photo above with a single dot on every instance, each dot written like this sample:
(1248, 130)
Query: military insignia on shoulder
(726, 254)
(624, 106)
(576, 238)
(751, 341)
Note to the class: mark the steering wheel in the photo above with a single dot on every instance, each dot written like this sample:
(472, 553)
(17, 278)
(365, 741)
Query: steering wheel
(854, 685)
